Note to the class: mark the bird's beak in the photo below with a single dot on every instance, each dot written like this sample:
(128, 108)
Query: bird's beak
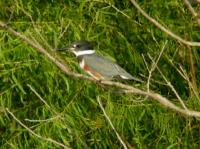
(69, 48)
(61, 49)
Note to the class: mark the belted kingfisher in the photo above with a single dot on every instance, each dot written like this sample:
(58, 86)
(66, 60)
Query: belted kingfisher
(95, 65)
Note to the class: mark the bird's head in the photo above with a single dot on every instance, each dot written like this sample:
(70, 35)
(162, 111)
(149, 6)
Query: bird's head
(79, 48)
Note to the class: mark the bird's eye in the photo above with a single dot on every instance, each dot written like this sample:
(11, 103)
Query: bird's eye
(78, 46)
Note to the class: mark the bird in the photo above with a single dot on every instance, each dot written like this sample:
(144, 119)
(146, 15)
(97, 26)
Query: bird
(97, 66)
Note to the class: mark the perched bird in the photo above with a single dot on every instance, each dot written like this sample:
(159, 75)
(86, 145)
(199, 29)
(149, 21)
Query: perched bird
(95, 65)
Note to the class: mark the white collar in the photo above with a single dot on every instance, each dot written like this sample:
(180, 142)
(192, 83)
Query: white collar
(85, 52)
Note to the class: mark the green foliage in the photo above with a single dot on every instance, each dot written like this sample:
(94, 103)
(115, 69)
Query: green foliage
(71, 112)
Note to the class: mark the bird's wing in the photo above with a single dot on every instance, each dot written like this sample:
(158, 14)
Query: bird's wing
(101, 65)
(125, 75)
(107, 68)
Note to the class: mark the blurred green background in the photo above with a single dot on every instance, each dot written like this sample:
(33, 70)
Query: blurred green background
(71, 114)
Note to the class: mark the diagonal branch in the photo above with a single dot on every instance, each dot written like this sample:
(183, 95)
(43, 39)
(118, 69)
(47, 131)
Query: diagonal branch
(35, 134)
(162, 100)
(111, 124)
(193, 12)
(162, 28)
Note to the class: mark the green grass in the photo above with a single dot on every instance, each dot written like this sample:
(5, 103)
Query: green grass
(74, 117)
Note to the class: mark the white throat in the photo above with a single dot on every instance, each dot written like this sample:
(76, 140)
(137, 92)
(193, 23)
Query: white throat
(85, 52)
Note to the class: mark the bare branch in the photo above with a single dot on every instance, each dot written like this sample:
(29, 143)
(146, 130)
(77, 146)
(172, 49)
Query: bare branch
(44, 120)
(170, 85)
(35, 134)
(111, 124)
(154, 65)
(40, 49)
(193, 12)
(38, 95)
(184, 75)
(162, 28)
(162, 100)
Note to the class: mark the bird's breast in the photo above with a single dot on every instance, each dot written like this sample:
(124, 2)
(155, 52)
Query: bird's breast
(91, 72)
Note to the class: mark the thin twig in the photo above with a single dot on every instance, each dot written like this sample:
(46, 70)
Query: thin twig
(35, 28)
(40, 49)
(189, 82)
(111, 124)
(184, 75)
(63, 31)
(166, 30)
(45, 120)
(170, 85)
(145, 62)
(154, 65)
(192, 69)
(110, 5)
(193, 12)
(38, 95)
(35, 134)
